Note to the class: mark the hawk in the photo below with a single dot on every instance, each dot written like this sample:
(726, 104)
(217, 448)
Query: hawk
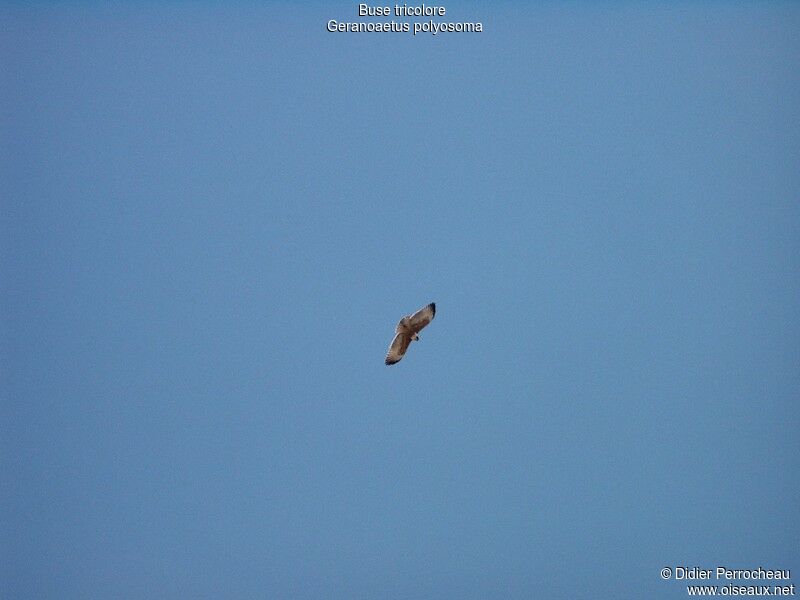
(407, 331)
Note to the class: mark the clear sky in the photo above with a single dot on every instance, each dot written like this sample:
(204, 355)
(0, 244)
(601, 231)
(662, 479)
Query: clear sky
(213, 216)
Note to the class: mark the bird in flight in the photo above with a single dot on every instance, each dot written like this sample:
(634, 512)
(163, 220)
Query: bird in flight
(407, 331)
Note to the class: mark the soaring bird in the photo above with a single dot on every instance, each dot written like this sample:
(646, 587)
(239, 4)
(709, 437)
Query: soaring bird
(407, 331)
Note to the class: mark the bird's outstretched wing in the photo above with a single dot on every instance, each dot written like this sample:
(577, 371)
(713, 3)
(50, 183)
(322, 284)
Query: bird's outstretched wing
(397, 348)
(422, 317)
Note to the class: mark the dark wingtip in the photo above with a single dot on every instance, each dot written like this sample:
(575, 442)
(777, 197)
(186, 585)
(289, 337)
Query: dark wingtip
(433, 307)
(391, 362)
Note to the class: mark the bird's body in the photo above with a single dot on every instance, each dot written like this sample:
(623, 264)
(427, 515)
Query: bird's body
(407, 331)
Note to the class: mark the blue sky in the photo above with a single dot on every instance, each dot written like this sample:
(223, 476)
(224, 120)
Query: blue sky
(214, 215)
